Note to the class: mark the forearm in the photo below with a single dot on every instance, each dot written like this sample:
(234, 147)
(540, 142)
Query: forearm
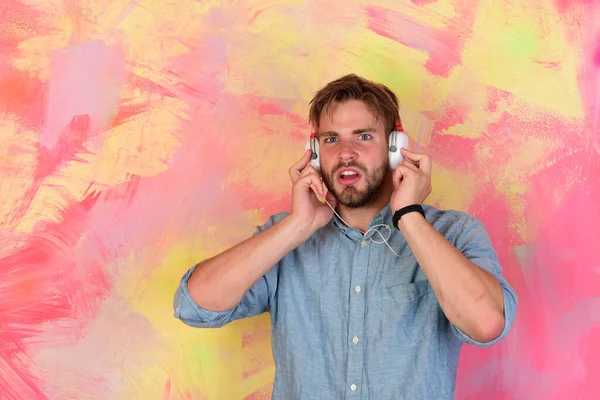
(219, 283)
(470, 297)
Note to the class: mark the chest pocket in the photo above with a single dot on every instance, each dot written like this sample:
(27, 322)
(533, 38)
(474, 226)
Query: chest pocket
(410, 310)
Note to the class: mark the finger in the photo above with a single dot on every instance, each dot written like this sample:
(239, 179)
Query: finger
(421, 160)
(411, 155)
(317, 189)
(312, 179)
(296, 169)
(425, 165)
(309, 170)
(410, 164)
(399, 173)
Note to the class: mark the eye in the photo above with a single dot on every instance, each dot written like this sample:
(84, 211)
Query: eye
(365, 136)
(330, 139)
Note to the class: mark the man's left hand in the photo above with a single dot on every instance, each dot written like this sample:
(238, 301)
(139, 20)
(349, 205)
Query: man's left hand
(412, 180)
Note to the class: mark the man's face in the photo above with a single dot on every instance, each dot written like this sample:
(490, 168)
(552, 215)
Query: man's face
(353, 151)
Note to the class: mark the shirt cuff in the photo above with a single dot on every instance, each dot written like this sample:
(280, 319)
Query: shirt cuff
(186, 309)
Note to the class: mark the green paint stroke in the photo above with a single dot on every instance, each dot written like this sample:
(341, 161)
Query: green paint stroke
(522, 43)
(381, 65)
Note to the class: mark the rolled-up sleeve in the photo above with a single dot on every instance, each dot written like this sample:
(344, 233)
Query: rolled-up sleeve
(256, 301)
(475, 244)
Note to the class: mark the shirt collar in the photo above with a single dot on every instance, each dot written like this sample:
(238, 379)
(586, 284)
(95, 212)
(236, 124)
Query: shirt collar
(383, 217)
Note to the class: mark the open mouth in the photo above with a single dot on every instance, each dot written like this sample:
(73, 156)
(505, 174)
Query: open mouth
(348, 176)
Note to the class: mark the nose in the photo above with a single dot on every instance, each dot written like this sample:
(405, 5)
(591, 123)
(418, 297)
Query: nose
(347, 152)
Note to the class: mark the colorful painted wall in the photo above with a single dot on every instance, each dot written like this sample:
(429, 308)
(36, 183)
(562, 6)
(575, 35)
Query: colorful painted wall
(138, 137)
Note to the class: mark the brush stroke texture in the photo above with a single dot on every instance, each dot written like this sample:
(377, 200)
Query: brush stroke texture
(137, 138)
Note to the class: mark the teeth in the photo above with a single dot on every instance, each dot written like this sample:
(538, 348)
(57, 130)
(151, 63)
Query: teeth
(348, 173)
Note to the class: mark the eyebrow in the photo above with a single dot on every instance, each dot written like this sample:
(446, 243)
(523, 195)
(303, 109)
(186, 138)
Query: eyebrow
(354, 132)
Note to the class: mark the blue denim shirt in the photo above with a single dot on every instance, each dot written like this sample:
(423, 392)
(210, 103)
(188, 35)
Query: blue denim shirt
(351, 320)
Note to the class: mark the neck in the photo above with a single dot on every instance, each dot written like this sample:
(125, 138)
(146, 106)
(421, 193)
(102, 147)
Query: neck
(360, 218)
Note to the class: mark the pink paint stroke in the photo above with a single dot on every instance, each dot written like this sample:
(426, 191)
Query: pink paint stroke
(20, 93)
(55, 274)
(589, 81)
(299, 125)
(444, 46)
(551, 351)
(85, 80)
(137, 213)
(84, 89)
(565, 5)
(480, 373)
(422, 2)
(563, 313)
(69, 145)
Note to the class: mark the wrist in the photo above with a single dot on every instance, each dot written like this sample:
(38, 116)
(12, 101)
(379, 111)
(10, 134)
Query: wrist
(409, 213)
(410, 219)
(298, 229)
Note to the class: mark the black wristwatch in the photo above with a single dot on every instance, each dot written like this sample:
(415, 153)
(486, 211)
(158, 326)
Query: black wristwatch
(405, 210)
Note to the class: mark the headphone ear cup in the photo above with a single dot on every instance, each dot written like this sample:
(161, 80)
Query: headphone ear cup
(315, 159)
(397, 141)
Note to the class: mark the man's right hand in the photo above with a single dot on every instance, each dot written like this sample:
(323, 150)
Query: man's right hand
(307, 210)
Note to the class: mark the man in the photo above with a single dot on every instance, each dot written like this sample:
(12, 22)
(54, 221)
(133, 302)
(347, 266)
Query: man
(351, 317)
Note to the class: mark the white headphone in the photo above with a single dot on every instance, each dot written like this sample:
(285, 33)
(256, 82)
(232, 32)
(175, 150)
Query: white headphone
(398, 139)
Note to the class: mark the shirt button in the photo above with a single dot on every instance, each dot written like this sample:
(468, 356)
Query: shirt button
(355, 340)
(363, 243)
(357, 289)
(353, 387)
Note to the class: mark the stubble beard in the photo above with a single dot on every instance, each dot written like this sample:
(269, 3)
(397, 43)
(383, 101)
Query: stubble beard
(350, 196)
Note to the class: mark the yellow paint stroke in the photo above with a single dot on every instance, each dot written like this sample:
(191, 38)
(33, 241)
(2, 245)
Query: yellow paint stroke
(527, 154)
(35, 52)
(469, 98)
(451, 189)
(525, 52)
(206, 362)
(18, 159)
